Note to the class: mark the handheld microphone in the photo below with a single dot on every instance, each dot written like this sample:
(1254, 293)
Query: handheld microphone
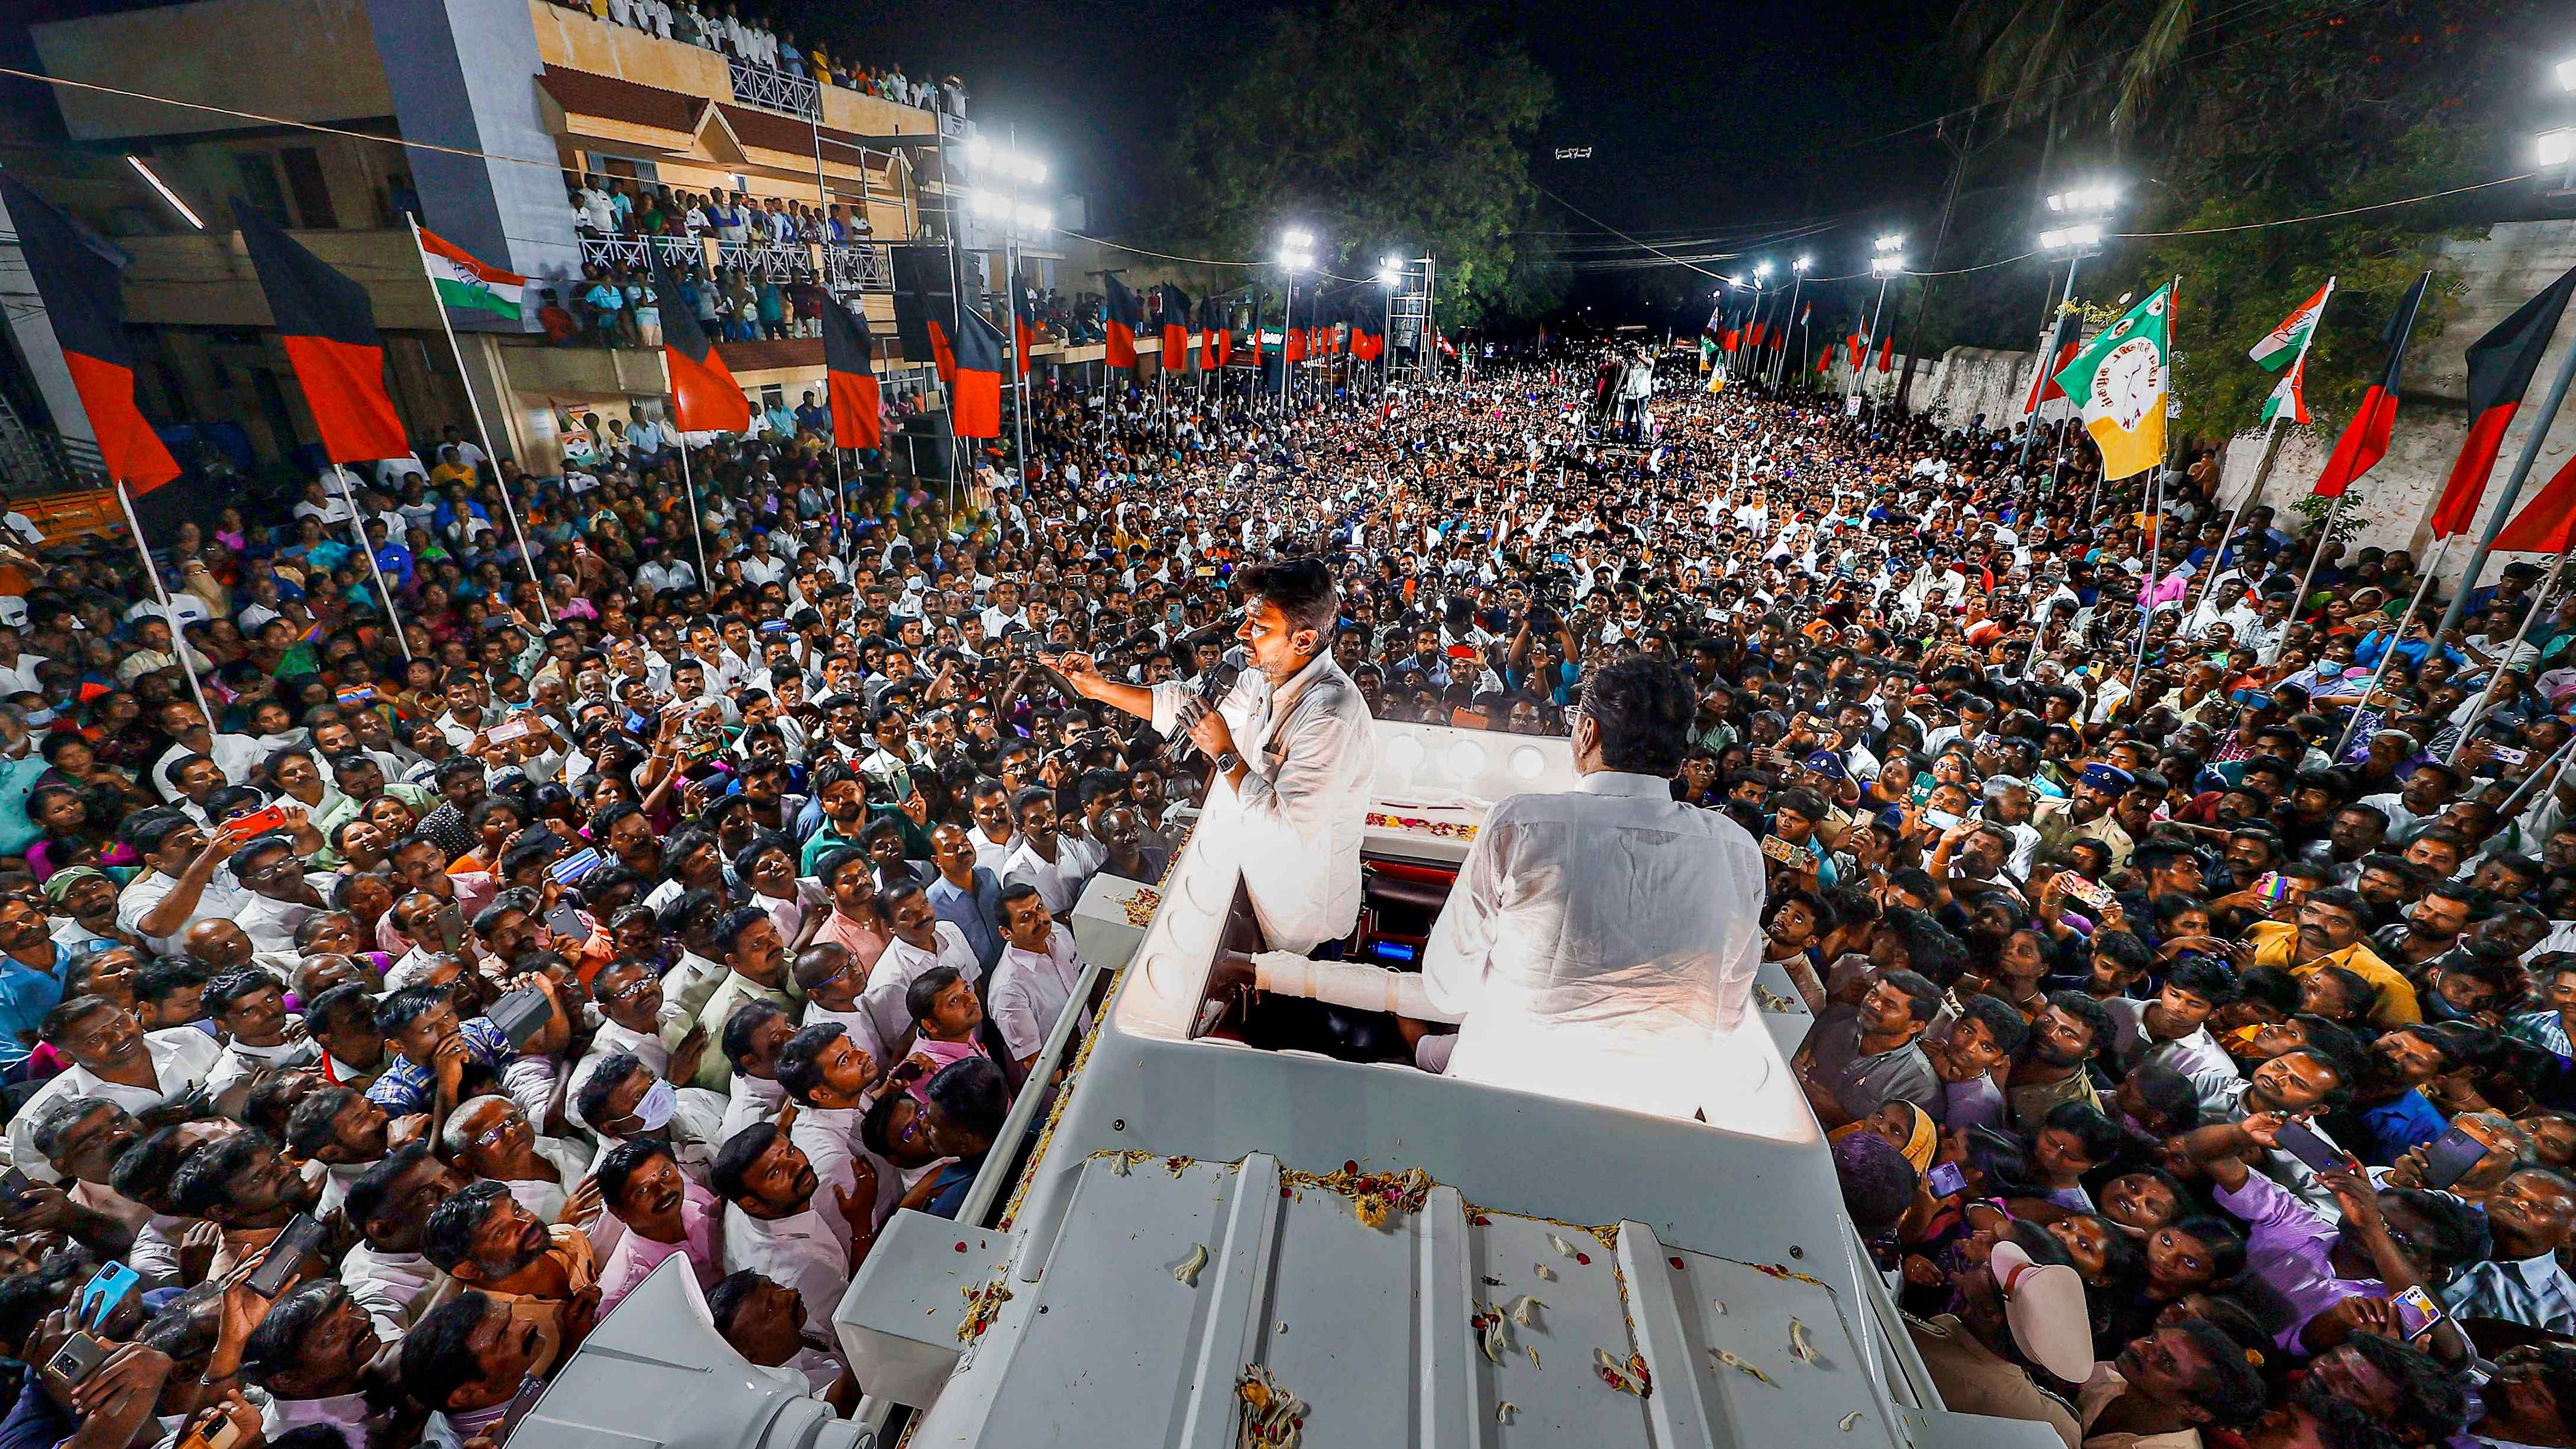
(1211, 689)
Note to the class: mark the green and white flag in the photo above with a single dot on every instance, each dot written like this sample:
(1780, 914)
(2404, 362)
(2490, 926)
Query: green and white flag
(2119, 384)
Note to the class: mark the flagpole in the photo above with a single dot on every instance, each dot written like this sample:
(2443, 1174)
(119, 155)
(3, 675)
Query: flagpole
(2164, 465)
(2512, 491)
(527, 559)
(2307, 576)
(169, 615)
(2047, 359)
(2521, 636)
(697, 522)
(2395, 638)
(2271, 452)
(358, 525)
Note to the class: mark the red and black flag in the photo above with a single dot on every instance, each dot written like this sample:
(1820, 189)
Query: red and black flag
(1024, 323)
(704, 396)
(1216, 331)
(2064, 343)
(1123, 318)
(1858, 345)
(850, 378)
(76, 276)
(2500, 368)
(330, 334)
(2365, 438)
(1176, 327)
(925, 307)
(975, 394)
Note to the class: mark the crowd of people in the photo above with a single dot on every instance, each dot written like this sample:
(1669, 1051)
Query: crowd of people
(2192, 1012)
(753, 41)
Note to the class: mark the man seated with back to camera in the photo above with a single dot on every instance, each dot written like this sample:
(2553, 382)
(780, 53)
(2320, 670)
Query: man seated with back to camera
(1603, 939)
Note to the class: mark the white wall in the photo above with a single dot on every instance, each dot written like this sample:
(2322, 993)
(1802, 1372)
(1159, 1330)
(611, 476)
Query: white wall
(2496, 273)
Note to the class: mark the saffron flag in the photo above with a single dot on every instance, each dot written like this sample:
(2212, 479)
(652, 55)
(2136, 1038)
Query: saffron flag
(329, 330)
(2119, 383)
(704, 396)
(2500, 368)
(466, 285)
(975, 395)
(76, 277)
(1123, 317)
(850, 378)
(2365, 438)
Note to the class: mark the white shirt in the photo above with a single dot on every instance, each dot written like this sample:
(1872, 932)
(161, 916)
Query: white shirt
(993, 855)
(1056, 880)
(902, 964)
(797, 1251)
(181, 1058)
(1304, 803)
(218, 900)
(1029, 991)
(1611, 932)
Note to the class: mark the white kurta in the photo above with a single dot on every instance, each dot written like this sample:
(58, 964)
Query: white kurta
(1295, 825)
(1599, 943)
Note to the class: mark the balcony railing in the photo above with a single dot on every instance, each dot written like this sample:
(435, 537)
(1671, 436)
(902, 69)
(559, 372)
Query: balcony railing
(843, 267)
(773, 89)
(858, 267)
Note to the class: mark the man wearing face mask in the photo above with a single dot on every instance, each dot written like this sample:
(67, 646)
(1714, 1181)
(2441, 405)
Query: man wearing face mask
(1605, 939)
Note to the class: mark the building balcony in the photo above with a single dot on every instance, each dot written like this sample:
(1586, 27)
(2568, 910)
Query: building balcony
(842, 266)
(773, 89)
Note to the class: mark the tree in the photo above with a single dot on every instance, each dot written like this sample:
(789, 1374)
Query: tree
(1377, 130)
(2103, 55)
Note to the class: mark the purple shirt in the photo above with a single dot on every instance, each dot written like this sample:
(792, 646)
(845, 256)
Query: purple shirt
(2288, 1245)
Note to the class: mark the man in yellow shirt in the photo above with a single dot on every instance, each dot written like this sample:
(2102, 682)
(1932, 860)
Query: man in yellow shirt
(2329, 933)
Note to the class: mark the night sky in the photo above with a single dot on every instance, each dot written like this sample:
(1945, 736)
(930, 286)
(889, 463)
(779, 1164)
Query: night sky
(1701, 118)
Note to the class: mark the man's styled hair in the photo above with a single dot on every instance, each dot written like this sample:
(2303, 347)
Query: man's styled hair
(1301, 588)
(1643, 708)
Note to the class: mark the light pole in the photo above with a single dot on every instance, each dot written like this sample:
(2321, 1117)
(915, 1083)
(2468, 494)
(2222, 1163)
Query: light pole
(1887, 266)
(1780, 360)
(1390, 275)
(1296, 254)
(1004, 180)
(2075, 241)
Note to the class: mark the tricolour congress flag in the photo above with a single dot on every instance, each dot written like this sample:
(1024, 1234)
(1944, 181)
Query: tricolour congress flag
(2282, 345)
(2119, 384)
(466, 284)
(2285, 350)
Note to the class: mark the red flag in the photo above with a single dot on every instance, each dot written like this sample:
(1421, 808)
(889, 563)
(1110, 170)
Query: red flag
(2500, 368)
(1858, 345)
(1824, 362)
(850, 378)
(1726, 339)
(1176, 328)
(2365, 438)
(2547, 524)
(2070, 330)
(704, 396)
(329, 330)
(1294, 344)
(975, 397)
(1123, 316)
(1887, 354)
(77, 281)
